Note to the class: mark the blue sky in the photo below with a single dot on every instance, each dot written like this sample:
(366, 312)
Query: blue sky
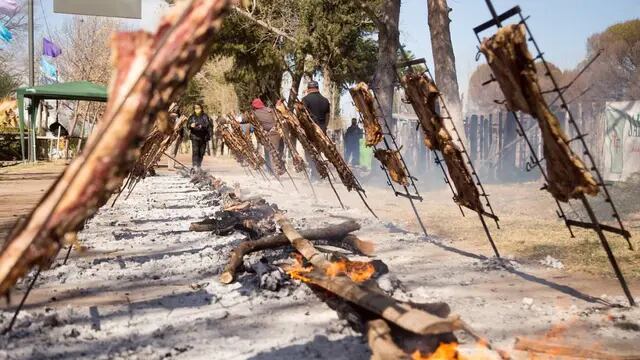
(561, 27)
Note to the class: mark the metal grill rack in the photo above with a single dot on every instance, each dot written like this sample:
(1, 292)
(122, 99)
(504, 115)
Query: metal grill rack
(593, 222)
(393, 146)
(408, 66)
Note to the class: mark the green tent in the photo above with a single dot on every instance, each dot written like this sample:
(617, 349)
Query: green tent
(77, 90)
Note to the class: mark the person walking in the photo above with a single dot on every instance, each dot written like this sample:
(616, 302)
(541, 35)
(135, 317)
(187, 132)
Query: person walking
(320, 111)
(268, 121)
(199, 124)
(352, 143)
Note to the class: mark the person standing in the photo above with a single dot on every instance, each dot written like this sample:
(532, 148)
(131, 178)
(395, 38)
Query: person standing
(318, 106)
(268, 121)
(352, 143)
(320, 111)
(199, 124)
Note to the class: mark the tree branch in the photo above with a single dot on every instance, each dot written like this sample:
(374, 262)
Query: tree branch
(264, 24)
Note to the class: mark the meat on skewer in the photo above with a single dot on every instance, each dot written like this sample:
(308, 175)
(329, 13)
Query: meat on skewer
(325, 146)
(151, 70)
(514, 69)
(422, 92)
(300, 135)
(286, 134)
(392, 162)
(363, 100)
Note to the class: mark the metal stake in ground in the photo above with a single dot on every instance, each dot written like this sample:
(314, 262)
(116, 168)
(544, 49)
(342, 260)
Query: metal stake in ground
(407, 194)
(313, 190)
(24, 298)
(338, 196)
(594, 224)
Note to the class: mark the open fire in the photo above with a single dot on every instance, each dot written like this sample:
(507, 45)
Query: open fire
(358, 271)
(446, 351)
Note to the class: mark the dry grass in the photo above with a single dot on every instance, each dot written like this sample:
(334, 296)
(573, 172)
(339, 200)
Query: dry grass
(530, 229)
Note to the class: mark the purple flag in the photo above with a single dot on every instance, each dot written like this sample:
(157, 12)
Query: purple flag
(49, 48)
(8, 7)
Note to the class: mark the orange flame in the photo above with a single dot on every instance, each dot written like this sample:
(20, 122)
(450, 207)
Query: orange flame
(357, 271)
(297, 270)
(443, 352)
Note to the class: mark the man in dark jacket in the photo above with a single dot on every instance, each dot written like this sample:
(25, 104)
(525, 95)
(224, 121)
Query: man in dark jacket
(320, 110)
(199, 125)
(318, 106)
(352, 143)
(268, 121)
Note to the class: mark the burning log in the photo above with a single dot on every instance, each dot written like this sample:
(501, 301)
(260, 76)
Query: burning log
(381, 342)
(261, 134)
(514, 69)
(254, 217)
(364, 103)
(555, 349)
(151, 71)
(422, 92)
(401, 314)
(335, 235)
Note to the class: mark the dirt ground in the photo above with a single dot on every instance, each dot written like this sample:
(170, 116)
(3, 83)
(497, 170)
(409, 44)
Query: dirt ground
(21, 187)
(147, 288)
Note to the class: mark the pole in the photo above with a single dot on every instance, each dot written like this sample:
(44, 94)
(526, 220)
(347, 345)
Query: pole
(24, 298)
(31, 44)
(607, 249)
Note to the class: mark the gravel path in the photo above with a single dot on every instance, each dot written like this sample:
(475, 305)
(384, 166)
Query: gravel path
(147, 288)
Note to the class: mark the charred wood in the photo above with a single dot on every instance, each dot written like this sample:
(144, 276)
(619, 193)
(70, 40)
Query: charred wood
(335, 235)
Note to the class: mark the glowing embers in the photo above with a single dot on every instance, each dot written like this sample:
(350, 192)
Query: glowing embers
(357, 271)
(446, 351)
(298, 269)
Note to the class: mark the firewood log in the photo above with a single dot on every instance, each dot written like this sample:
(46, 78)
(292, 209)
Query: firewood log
(335, 235)
(151, 72)
(381, 342)
(402, 314)
(574, 351)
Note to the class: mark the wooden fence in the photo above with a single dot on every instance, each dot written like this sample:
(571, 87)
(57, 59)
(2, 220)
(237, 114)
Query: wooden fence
(500, 154)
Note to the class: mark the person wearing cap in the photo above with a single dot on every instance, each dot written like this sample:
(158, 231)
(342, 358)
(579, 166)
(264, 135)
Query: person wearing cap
(199, 124)
(318, 106)
(268, 121)
(320, 110)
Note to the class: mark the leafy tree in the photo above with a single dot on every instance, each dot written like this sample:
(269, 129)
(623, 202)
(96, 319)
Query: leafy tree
(9, 82)
(482, 99)
(615, 75)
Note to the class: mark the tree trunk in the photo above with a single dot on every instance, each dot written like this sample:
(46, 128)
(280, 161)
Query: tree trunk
(296, 80)
(388, 43)
(445, 62)
(334, 97)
